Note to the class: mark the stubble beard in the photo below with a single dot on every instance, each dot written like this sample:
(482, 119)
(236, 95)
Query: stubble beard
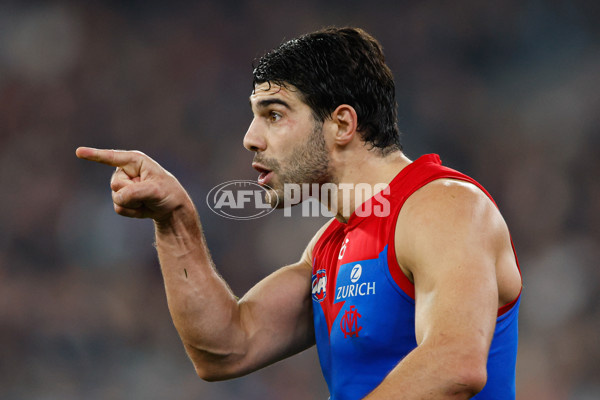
(308, 163)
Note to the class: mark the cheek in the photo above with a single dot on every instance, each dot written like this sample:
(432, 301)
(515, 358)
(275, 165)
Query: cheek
(293, 128)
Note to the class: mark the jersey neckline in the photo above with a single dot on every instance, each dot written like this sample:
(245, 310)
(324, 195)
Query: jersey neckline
(356, 219)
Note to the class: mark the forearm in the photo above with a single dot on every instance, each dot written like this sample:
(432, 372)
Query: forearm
(432, 373)
(204, 310)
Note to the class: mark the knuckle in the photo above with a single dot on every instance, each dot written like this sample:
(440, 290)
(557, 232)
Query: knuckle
(118, 209)
(117, 198)
(139, 153)
(156, 190)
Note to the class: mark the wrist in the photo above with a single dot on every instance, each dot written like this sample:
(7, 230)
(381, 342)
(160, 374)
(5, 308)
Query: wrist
(182, 217)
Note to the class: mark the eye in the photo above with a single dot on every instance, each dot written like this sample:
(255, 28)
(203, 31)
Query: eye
(274, 116)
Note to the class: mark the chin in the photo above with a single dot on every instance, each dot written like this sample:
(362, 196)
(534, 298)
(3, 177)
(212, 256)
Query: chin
(274, 197)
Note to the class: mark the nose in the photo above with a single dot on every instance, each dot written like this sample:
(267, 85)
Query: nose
(254, 140)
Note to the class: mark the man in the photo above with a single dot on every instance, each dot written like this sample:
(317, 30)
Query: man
(417, 301)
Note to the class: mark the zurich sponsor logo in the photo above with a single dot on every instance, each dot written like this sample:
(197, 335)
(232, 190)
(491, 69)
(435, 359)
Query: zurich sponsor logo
(319, 286)
(355, 273)
(355, 289)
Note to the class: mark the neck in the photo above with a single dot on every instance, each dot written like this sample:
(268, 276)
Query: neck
(362, 177)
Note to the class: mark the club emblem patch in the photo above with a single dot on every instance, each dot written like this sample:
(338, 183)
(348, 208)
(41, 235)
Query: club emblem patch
(349, 323)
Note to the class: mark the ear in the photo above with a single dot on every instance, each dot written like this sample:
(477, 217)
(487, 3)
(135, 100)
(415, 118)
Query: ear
(345, 121)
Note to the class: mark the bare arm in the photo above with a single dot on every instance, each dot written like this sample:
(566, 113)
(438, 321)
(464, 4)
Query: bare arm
(224, 337)
(449, 237)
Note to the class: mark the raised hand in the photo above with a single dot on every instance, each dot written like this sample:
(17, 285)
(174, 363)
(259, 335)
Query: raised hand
(141, 188)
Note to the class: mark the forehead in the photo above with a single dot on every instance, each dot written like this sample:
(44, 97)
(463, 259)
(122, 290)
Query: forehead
(267, 90)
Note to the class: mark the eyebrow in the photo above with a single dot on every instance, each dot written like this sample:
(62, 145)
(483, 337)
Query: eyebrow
(267, 102)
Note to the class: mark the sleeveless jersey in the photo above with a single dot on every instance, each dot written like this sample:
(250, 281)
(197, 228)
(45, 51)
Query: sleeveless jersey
(364, 307)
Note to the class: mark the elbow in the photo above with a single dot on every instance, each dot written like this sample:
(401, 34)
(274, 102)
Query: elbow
(469, 379)
(215, 368)
(213, 372)
(208, 375)
(462, 369)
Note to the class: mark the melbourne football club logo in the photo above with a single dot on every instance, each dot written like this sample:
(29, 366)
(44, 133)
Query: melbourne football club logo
(319, 286)
(349, 323)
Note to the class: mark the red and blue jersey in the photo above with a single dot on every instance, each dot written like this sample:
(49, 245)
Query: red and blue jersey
(363, 304)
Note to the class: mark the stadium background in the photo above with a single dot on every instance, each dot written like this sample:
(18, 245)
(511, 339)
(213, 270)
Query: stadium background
(508, 92)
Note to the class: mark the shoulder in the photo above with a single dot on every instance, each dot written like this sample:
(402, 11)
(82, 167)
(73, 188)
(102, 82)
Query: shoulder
(447, 197)
(446, 215)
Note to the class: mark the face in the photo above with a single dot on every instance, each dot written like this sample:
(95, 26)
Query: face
(288, 141)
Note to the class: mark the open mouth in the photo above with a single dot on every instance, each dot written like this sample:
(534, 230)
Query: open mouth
(265, 174)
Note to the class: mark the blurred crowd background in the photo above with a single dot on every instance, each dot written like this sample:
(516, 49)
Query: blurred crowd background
(508, 92)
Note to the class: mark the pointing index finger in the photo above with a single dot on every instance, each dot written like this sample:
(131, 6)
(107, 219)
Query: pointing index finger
(129, 161)
(115, 158)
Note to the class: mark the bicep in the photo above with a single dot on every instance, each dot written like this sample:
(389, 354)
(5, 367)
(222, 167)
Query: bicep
(451, 253)
(276, 316)
(458, 303)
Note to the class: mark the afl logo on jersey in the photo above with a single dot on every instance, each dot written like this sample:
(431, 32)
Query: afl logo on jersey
(319, 286)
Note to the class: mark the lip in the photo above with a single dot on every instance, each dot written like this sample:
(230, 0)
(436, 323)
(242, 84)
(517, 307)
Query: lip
(264, 178)
(260, 168)
(265, 174)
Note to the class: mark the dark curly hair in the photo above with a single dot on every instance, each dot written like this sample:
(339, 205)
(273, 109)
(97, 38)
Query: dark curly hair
(337, 66)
